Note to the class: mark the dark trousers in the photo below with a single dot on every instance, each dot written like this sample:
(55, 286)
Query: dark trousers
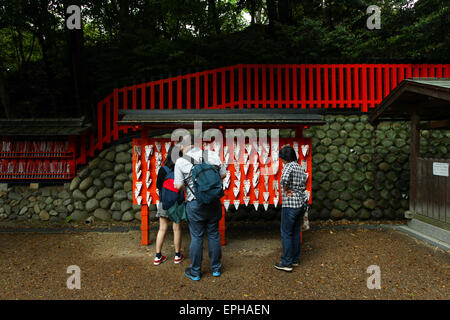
(204, 219)
(291, 221)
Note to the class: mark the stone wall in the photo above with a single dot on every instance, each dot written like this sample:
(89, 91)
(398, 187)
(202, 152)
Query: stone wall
(362, 172)
(359, 172)
(102, 189)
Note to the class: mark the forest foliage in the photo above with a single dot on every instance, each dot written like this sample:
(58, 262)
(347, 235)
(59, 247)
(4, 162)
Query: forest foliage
(47, 70)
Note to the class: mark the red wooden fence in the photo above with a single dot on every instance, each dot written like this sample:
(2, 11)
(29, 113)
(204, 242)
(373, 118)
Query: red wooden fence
(305, 86)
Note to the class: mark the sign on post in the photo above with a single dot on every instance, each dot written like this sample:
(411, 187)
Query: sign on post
(440, 169)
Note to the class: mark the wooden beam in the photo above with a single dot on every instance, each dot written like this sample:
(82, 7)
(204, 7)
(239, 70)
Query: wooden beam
(415, 152)
(442, 124)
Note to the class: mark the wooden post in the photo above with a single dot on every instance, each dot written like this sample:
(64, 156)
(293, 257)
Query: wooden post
(145, 227)
(145, 224)
(298, 136)
(222, 228)
(415, 152)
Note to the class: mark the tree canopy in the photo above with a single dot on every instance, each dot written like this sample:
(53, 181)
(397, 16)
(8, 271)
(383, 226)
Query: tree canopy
(48, 70)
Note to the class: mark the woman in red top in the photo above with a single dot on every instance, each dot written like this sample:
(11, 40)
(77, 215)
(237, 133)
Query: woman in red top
(162, 215)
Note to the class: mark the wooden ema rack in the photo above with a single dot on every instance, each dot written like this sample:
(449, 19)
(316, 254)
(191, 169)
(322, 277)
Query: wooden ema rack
(259, 194)
(37, 160)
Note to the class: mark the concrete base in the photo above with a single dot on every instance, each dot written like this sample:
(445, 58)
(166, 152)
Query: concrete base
(426, 232)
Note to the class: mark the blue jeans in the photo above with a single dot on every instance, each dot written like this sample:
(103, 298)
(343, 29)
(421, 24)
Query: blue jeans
(291, 221)
(204, 218)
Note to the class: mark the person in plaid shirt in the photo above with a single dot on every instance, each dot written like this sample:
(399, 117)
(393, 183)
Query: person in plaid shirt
(293, 186)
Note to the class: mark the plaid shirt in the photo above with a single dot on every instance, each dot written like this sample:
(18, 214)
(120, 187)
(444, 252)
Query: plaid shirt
(293, 178)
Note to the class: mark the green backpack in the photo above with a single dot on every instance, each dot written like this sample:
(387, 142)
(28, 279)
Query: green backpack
(207, 181)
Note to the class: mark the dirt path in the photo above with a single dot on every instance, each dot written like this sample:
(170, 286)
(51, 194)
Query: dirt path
(115, 266)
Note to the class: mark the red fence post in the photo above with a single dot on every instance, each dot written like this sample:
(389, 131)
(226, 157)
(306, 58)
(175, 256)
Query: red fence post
(206, 79)
(143, 97)
(249, 85)
(256, 85)
(287, 97)
(108, 120)
(170, 100)
(356, 94)
(100, 125)
(188, 92)
(264, 86)
(223, 85)
(341, 86)
(295, 85)
(326, 98)
(348, 84)
(394, 71)
(318, 86)
(303, 85)
(214, 87)
(179, 93)
(364, 87)
(232, 100)
(279, 88)
(333, 86)
(115, 114)
(272, 86)
(197, 90)
(152, 96)
(241, 87)
(386, 80)
(372, 86)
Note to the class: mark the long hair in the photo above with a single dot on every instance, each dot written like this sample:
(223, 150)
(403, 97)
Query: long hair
(172, 155)
(287, 153)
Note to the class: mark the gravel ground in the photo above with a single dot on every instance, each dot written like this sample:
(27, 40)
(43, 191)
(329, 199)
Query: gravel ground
(333, 266)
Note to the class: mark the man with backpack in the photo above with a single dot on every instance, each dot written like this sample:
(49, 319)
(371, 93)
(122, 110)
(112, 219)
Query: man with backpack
(202, 173)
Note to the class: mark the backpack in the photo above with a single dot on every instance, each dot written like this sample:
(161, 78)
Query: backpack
(206, 180)
(169, 194)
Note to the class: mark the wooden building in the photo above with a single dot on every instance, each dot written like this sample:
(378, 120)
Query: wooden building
(425, 102)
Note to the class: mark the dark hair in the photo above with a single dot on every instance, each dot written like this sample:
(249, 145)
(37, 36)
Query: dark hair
(187, 140)
(287, 153)
(174, 152)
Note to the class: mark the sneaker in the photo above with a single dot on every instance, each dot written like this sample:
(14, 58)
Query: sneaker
(158, 261)
(280, 266)
(188, 274)
(178, 259)
(216, 273)
(295, 264)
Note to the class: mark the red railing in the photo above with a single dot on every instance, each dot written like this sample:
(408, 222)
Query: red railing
(305, 86)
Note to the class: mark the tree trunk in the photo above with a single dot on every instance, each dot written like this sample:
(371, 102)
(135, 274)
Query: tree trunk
(213, 16)
(4, 96)
(285, 11)
(75, 45)
(124, 13)
(271, 11)
(252, 11)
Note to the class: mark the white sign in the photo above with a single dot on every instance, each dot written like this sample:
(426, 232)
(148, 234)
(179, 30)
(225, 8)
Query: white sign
(440, 169)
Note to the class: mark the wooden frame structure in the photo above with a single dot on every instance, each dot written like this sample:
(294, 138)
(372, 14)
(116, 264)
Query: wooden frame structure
(425, 102)
(144, 191)
(41, 149)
